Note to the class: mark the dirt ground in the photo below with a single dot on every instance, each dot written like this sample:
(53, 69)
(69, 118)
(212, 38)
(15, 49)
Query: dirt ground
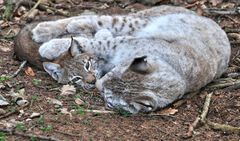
(78, 123)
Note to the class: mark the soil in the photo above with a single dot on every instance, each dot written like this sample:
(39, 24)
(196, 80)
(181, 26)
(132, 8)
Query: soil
(224, 107)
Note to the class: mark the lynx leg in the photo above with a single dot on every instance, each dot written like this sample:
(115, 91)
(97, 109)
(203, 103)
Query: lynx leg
(48, 30)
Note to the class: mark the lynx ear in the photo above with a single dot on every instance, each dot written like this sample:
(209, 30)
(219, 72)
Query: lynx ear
(75, 48)
(53, 69)
(140, 65)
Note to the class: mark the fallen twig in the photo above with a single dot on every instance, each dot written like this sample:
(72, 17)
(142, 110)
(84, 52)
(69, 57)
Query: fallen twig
(224, 85)
(192, 127)
(38, 137)
(235, 42)
(223, 127)
(216, 11)
(19, 69)
(232, 30)
(100, 111)
(202, 117)
(68, 134)
(32, 9)
(185, 99)
(206, 107)
(40, 6)
(16, 110)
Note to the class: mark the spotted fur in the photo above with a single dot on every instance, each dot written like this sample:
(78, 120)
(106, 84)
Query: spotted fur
(141, 62)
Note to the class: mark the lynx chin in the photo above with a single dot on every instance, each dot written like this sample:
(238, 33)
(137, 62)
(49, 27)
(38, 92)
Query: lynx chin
(139, 62)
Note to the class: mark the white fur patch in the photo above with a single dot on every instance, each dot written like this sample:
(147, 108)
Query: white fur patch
(53, 48)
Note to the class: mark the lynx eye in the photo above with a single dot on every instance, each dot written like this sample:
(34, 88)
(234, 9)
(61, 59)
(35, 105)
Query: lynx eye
(87, 66)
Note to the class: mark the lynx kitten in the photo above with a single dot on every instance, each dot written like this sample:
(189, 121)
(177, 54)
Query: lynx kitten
(139, 62)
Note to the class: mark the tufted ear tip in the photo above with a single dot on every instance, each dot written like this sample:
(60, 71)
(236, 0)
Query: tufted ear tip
(75, 48)
(54, 70)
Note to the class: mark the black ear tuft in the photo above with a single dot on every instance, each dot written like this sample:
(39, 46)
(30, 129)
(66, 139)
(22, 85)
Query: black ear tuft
(140, 65)
(75, 48)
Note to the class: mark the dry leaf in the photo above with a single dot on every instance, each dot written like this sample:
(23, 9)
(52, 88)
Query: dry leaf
(68, 90)
(19, 97)
(235, 36)
(10, 124)
(55, 101)
(79, 101)
(3, 101)
(29, 71)
(2, 111)
(5, 49)
(21, 113)
(167, 112)
(227, 5)
(2, 86)
(215, 2)
(65, 111)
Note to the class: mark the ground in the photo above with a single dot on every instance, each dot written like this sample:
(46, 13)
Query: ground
(83, 123)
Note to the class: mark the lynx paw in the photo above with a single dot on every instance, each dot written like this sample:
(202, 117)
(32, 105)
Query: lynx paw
(46, 31)
(141, 104)
(54, 48)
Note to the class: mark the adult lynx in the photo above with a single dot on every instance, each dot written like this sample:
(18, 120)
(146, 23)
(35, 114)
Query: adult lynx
(139, 62)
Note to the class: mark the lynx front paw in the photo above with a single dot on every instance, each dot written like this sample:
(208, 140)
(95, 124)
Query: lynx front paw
(46, 31)
(54, 48)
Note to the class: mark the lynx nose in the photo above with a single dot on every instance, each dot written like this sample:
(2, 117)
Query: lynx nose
(90, 79)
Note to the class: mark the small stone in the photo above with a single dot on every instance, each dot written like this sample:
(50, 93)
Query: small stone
(22, 102)
(33, 115)
(28, 119)
(3, 103)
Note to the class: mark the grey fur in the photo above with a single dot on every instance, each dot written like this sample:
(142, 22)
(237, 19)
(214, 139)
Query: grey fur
(143, 61)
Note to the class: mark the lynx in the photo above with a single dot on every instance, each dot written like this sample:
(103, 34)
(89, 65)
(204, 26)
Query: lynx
(139, 62)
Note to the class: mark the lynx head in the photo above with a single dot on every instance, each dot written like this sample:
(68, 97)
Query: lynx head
(74, 66)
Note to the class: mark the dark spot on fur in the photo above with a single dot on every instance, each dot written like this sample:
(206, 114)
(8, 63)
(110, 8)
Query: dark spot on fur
(122, 26)
(114, 47)
(108, 43)
(130, 25)
(124, 19)
(169, 41)
(136, 22)
(99, 42)
(100, 23)
(114, 21)
(183, 21)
